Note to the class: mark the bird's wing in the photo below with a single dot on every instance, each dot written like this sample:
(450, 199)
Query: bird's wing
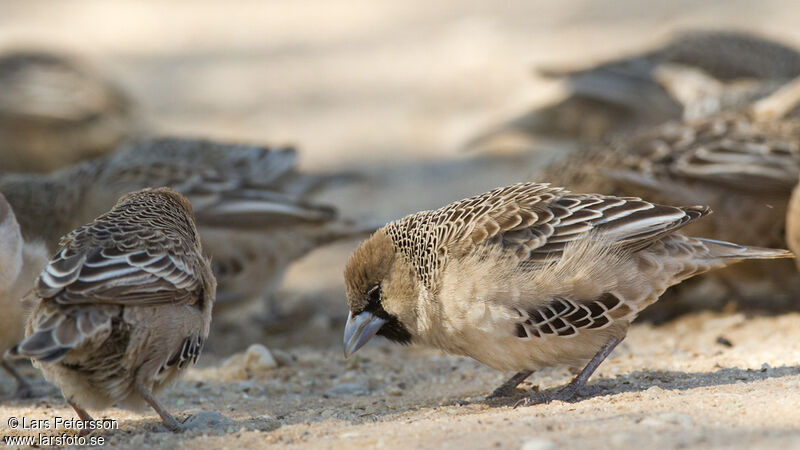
(231, 185)
(97, 267)
(728, 150)
(536, 222)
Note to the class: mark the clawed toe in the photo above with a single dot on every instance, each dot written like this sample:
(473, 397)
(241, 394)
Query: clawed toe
(541, 398)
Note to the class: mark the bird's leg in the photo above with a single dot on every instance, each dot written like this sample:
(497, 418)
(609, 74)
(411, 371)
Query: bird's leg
(569, 391)
(169, 421)
(24, 388)
(84, 416)
(505, 389)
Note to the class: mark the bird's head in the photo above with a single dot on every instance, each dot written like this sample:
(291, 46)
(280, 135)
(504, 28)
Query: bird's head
(382, 292)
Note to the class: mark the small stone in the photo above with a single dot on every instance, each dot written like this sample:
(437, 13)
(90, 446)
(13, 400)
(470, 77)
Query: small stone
(653, 393)
(394, 390)
(256, 360)
(677, 418)
(621, 439)
(347, 389)
(722, 340)
(652, 422)
(207, 420)
(539, 444)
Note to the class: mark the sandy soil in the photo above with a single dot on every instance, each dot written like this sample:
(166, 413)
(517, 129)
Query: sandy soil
(393, 89)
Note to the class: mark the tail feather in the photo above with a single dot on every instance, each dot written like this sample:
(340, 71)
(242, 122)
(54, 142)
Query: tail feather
(728, 250)
(57, 333)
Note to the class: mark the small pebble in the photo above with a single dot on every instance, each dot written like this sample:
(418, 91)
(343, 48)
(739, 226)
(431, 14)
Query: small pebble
(394, 390)
(347, 389)
(539, 444)
(206, 420)
(722, 340)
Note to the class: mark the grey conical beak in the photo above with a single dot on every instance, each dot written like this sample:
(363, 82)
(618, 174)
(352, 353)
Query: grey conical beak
(359, 330)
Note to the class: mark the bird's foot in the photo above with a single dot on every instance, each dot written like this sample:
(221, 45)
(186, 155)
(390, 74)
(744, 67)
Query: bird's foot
(541, 398)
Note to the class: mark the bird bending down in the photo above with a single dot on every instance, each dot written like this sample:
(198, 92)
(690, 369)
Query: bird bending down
(526, 276)
(124, 306)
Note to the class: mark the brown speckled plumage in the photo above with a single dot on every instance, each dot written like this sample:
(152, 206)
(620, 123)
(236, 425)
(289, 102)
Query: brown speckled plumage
(124, 305)
(526, 276)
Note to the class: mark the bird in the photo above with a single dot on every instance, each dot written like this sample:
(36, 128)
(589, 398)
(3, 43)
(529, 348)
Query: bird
(251, 202)
(55, 110)
(526, 276)
(694, 75)
(124, 306)
(20, 264)
(743, 164)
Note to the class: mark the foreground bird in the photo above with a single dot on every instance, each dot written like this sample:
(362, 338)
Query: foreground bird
(692, 76)
(124, 306)
(251, 203)
(20, 264)
(55, 111)
(526, 276)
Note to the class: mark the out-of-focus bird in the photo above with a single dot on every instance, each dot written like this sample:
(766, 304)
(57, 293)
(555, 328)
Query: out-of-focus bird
(743, 164)
(526, 276)
(695, 75)
(251, 203)
(20, 264)
(124, 306)
(55, 111)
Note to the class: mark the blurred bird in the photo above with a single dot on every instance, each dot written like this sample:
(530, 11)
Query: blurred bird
(743, 164)
(251, 204)
(124, 306)
(55, 111)
(526, 276)
(697, 74)
(20, 264)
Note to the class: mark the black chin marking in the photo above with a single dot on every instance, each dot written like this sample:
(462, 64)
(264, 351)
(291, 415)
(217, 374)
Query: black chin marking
(395, 332)
(392, 329)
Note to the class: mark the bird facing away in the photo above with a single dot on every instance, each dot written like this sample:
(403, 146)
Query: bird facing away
(696, 74)
(124, 306)
(20, 264)
(55, 111)
(251, 203)
(525, 277)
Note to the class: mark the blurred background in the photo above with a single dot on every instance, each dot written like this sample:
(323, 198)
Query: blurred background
(355, 81)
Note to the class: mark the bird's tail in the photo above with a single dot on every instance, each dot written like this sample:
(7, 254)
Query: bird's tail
(55, 334)
(730, 251)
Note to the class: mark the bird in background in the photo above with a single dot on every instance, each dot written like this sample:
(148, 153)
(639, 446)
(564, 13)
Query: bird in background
(55, 111)
(252, 204)
(124, 306)
(743, 164)
(20, 264)
(525, 277)
(696, 74)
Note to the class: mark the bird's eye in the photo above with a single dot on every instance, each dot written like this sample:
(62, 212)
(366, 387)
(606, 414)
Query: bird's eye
(374, 295)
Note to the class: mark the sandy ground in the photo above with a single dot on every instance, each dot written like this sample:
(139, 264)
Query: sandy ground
(393, 89)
